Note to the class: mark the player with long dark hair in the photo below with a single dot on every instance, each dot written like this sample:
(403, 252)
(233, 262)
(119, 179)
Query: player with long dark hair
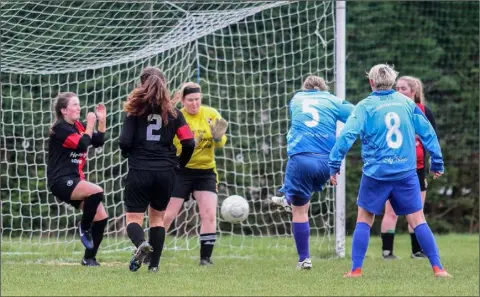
(146, 140)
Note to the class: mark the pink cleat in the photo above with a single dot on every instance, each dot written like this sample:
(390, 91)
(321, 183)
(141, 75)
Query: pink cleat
(441, 273)
(354, 273)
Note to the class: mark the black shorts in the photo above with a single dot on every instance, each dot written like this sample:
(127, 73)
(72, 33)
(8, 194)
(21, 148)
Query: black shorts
(190, 180)
(422, 179)
(146, 187)
(63, 187)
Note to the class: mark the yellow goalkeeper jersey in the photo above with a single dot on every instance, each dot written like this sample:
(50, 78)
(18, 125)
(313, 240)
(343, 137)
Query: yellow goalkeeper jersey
(204, 154)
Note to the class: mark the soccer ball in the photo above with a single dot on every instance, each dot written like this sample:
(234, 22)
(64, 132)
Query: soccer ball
(235, 209)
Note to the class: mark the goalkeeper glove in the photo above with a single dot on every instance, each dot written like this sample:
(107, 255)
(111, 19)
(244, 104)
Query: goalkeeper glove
(218, 129)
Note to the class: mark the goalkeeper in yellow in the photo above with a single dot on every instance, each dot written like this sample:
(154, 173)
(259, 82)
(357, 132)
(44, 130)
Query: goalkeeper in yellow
(199, 177)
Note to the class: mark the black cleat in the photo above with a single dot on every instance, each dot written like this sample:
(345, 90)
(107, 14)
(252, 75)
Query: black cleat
(419, 255)
(153, 269)
(387, 255)
(91, 262)
(206, 262)
(141, 253)
(146, 261)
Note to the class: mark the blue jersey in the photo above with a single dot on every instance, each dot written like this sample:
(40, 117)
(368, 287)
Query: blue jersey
(314, 116)
(387, 122)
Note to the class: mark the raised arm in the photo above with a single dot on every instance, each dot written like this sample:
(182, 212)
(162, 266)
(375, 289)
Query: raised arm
(70, 138)
(98, 137)
(218, 128)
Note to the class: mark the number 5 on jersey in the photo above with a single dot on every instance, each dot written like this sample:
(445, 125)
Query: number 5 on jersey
(156, 125)
(308, 108)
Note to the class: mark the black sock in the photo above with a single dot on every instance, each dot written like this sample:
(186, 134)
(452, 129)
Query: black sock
(387, 241)
(135, 233)
(90, 205)
(415, 245)
(207, 242)
(98, 228)
(156, 240)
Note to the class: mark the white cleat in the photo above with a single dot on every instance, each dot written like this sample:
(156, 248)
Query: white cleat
(305, 264)
(282, 202)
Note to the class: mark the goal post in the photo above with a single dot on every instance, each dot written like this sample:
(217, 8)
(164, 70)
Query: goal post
(249, 57)
(340, 91)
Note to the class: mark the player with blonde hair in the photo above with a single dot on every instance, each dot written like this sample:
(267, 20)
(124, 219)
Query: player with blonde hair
(411, 87)
(387, 122)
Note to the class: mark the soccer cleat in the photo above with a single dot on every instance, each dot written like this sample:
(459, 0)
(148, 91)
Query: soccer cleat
(354, 273)
(305, 264)
(388, 255)
(153, 269)
(206, 262)
(441, 273)
(90, 262)
(141, 253)
(85, 237)
(418, 255)
(282, 202)
(146, 261)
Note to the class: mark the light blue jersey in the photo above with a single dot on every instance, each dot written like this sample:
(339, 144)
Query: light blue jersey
(312, 134)
(387, 122)
(314, 115)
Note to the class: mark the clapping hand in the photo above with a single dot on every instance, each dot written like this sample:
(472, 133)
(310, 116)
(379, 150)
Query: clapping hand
(101, 112)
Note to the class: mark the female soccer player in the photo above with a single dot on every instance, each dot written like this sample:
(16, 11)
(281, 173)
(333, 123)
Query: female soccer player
(199, 177)
(314, 113)
(412, 88)
(67, 153)
(387, 122)
(146, 140)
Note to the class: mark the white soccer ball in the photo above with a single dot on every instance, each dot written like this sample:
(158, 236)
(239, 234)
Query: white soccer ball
(235, 209)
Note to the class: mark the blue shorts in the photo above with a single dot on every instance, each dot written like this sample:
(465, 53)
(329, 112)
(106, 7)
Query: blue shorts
(305, 174)
(404, 195)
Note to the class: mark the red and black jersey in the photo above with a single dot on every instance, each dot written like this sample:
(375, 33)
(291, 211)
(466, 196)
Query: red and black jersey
(67, 149)
(419, 146)
(148, 143)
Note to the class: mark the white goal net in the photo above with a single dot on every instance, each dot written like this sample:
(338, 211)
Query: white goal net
(249, 56)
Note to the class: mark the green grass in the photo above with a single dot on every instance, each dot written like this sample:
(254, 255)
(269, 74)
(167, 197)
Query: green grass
(250, 271)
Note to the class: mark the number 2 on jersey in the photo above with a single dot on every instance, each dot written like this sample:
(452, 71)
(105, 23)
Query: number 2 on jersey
(308, 108)
(392, 129)
(154, 127)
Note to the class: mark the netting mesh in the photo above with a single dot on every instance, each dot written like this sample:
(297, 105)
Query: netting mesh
(249, 57)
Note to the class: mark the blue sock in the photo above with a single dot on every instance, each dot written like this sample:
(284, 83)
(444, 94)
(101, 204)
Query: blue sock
(361, 237)
(301, 233)
(427, 243)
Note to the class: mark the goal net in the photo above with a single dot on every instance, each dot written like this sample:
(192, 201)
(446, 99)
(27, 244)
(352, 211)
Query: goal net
(250, 57)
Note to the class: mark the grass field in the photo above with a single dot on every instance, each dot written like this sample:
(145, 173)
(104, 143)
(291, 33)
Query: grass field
(257, 271)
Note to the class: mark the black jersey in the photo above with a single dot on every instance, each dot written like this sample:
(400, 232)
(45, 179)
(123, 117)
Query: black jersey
(67, 149)
(148, 144)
